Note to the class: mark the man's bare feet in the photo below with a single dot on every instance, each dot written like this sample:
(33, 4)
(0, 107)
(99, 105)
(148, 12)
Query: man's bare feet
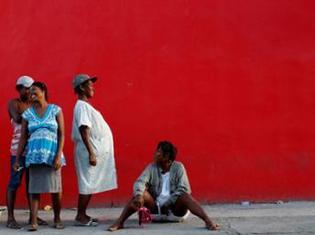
(212, 226)
(114, 227)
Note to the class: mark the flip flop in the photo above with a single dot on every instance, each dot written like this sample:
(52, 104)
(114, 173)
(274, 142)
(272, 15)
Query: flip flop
(13, 225)
(59, 225)
(32, 228)
(40, 222)
(94, 219)
(90, 223)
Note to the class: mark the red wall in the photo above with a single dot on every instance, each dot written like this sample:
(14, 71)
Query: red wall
(231, 83)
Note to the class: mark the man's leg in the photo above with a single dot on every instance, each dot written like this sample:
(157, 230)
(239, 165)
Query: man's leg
(130, 209)
(11, 222)
(187, 202)
(83, 202)
(14, 183)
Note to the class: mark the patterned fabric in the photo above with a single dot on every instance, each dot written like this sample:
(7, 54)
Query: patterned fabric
(15, 137)
(42, 144)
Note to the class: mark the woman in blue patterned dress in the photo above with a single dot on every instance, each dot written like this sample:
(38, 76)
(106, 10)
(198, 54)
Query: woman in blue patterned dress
(43, 136)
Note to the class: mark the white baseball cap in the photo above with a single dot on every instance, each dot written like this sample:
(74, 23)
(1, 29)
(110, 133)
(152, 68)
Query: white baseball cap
(25, 81)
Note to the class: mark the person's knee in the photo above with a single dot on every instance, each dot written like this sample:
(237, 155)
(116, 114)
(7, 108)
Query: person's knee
(11, 190)
(146, 194)
(184, 198)
(14, 183)
(133, 200)
(181, 205)
(15, 179)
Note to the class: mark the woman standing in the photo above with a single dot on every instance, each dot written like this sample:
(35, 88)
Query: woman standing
(43, 131)
(94, 149)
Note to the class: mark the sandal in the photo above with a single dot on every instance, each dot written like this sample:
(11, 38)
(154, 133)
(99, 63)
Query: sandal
(32, 228)
(94, 219)
(59, 225)
(40, 222)
(90, 223)
(13, 225)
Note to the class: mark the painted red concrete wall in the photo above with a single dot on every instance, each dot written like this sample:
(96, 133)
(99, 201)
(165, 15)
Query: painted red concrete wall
(231, 83)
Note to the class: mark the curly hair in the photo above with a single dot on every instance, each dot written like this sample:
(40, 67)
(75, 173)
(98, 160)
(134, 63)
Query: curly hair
(168, 149)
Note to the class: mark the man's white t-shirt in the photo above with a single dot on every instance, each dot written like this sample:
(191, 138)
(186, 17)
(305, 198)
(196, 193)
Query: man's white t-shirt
(165, 194)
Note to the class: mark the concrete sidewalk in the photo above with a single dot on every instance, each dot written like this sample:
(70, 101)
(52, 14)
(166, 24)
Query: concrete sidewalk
(287, 218)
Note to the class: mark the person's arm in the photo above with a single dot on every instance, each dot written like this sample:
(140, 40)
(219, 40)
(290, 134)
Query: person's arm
(83, 121)
(85, 135)
(61, 140)
(14, 112)
(182, 187)
(22, 143)
(140, 186)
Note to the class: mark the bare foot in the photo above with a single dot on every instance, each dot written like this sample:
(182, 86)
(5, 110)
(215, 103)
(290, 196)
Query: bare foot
(212, 226)
(116, 226)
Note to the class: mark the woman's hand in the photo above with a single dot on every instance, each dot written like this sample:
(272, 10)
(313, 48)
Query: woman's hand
(16, 166)
(57, 162)
(92, 159)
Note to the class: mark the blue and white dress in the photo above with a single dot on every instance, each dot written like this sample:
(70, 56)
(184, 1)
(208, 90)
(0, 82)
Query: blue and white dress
(42, 147)
(43, 141)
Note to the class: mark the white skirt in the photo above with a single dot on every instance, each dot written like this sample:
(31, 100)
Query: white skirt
(94, 179)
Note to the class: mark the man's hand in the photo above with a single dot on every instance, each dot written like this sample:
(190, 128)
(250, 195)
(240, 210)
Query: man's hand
(92, 159)
(138, 202)
(16, 166)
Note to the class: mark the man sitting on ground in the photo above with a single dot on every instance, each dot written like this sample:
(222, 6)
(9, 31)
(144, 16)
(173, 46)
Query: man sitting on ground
(164, 187)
